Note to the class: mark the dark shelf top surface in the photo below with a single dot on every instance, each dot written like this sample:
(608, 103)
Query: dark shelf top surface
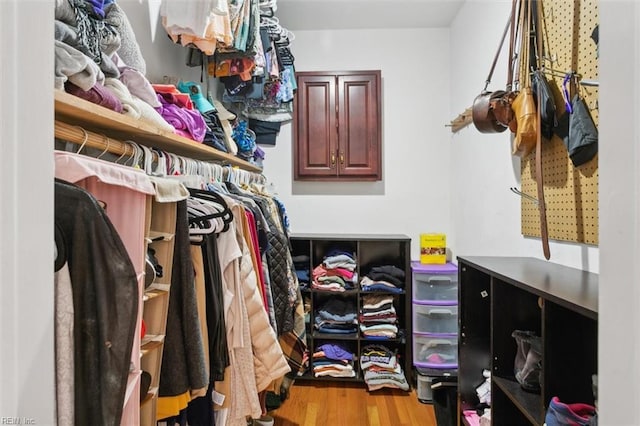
(571, 288)
(350, 237)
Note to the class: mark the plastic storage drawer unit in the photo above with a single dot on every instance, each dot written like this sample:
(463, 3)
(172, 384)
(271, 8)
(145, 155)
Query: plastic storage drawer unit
(435, 284)
(435, 319)
(435, 351)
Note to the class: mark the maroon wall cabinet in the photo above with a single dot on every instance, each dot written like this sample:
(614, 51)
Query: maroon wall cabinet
(337, 126)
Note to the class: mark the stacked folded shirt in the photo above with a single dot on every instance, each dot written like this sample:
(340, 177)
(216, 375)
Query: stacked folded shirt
(381, 368)
(301, 265)
(332, 360)
(337, 316)
(387, 278)
(378, 318)
(336, 272)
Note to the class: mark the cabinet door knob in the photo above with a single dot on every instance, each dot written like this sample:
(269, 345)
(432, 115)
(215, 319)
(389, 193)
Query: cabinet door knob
(341, 157)
(333, 160)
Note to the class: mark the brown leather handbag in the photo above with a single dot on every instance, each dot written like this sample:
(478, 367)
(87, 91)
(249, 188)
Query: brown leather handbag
(524, 107)
(483, 115)
(492, 111)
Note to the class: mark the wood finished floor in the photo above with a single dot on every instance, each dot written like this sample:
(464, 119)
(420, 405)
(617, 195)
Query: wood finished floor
(349, 404)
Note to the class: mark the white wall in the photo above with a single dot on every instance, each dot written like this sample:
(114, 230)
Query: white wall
(162, 56)
(414, 195)
(26, 212)
(485, 214)
(619, 302)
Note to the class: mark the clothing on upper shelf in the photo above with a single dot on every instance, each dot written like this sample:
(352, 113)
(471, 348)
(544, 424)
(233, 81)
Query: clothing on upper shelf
(243, 45)
(97, 58)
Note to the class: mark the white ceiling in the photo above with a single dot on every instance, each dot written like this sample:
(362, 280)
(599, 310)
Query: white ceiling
(365, 14)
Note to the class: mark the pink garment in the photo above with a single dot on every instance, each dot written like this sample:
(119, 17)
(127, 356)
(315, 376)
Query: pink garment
(318, 271)
(341, 272)
(183, 100)
(123, 189)
(471, 417)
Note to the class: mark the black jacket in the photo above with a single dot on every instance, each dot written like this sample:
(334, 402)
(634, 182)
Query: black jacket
(105, 303)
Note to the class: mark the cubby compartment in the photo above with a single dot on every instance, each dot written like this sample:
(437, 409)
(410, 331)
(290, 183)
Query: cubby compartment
(335, 315)
(381, 253)
(570, 354)
(321, 249)
(328, 367)
(514, 309)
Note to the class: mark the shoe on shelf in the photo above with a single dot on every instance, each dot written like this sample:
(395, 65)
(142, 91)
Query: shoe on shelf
(576, 414)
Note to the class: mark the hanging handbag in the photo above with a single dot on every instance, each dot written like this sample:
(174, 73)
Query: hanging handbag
(483, 114)
(491, 111)
(524, 105)
(503, 106)
(482, 111)
(547, 104)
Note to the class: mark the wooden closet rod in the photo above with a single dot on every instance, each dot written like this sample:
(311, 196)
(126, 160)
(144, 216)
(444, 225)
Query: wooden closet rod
(76, 134)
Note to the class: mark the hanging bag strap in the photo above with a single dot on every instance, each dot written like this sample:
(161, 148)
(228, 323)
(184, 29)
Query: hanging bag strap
(495, 58)
(544, 233)
(512, 41)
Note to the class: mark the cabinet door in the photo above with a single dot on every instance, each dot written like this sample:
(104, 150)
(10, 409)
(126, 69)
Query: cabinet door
(315, 126)
(359, 125)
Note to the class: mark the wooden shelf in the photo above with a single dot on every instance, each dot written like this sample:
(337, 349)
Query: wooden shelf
(311, 377)
(159, 236)
(150, 343)
(335, 336)
(529, 404)
(76, 111)
(152, 392)
(152, 293)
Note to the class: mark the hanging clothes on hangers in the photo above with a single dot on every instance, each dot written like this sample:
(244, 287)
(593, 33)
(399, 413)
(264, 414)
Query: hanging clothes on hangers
(105, 294)
(183, 368)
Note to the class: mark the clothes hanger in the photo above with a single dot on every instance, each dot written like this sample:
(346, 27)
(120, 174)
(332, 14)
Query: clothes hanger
(161, 165)
(106, 139)
(124, 153)
(211, 196)
(201, 220)
(148, 160)
(85, 136)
